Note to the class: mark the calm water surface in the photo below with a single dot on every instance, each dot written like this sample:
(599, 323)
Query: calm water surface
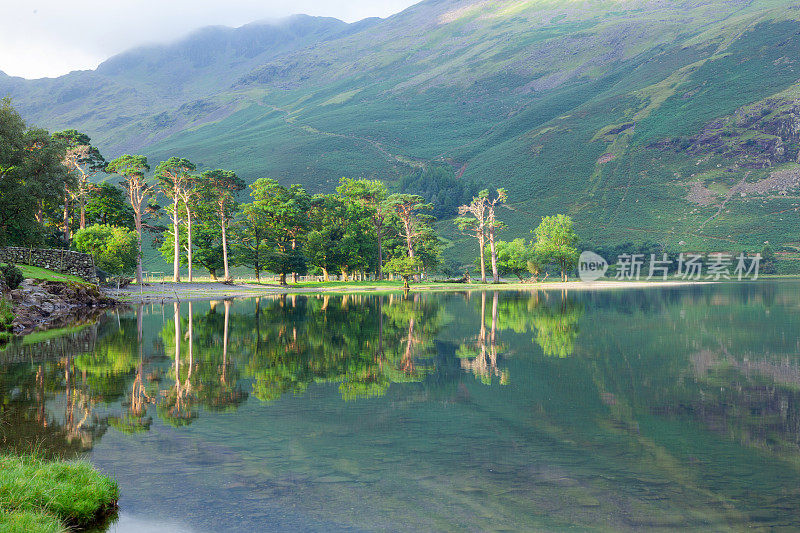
(484, 411)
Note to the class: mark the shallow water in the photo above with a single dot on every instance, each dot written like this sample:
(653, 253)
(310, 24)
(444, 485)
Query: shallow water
(485, 411)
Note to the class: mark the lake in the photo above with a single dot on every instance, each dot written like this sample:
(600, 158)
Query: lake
(619, 409)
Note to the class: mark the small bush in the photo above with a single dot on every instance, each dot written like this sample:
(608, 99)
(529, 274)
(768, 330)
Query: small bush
(12, 274)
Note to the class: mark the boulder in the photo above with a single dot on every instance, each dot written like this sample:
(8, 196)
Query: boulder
(39, 303)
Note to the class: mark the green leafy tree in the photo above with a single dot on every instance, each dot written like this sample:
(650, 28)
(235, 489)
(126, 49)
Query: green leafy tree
(114, 248)
(132, 168)
(250, 237)
(555, 243)
(494, 225)
(475, 225)
(413, 223)
(287, 212)
(429, 251)
(405, 267)
(219, 188)
(178, 184)
(512, 257)
(206, 243)
(340, 238)
(107, 204)
(85, 161)
(372, 195)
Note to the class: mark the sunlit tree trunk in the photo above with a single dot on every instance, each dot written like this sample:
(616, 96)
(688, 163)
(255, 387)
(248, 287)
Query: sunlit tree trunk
(294, 247)
(225, 246)
(176, 259)
(67, 235)
(493, 250)
(189, 240)
(137, 218)
(482, 244)
(82, 204)
(379, 231)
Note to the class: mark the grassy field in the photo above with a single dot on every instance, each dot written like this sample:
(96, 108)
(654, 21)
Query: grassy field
(39, 496)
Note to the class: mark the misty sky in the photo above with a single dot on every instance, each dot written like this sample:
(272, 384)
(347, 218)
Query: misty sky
(47, 38)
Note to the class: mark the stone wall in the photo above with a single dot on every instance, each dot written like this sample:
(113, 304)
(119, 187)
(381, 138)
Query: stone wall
(63, 261)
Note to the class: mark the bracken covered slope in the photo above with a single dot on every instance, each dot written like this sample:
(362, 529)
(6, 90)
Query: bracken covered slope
(674, 122)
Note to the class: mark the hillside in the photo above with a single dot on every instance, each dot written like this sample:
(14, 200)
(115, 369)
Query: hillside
(673, 122)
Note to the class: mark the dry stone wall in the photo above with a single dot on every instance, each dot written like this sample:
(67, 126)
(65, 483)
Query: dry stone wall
(62, 261)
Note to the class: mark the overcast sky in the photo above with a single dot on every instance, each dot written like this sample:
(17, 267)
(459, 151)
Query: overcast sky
(47, 38)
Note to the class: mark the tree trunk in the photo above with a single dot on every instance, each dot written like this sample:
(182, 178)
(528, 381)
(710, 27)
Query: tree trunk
(482, 244)
(325, 276)
(137, 217)
(283, 278)
(380, 252)
(225, 247)
(294, 247)
(345, 276)
(213, 273)
(82, 202)
(66, 217)
(189, 241)
(495, 276)
(176, 260)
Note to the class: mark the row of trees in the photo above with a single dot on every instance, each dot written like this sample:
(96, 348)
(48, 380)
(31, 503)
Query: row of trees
(554, 241)
(48, 194)
(48, 182)
(284, 230)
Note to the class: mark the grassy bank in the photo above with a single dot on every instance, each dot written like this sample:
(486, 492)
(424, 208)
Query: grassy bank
(52, 496)
(32, 272)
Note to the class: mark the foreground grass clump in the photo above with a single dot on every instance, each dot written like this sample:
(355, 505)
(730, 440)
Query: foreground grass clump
(72, 493)
(31, 521)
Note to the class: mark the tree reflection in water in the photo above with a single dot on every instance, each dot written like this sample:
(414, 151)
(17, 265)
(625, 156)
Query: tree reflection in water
(61, 395)
(480, 356)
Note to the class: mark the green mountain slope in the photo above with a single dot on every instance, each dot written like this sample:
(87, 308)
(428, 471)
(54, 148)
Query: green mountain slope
(644, 120)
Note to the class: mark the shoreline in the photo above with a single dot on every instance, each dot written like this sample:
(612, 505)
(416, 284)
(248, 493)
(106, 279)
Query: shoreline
(168, 292)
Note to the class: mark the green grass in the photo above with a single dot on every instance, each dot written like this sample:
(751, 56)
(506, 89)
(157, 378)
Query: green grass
(29, 522)
(32, 272)
(71, 492)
